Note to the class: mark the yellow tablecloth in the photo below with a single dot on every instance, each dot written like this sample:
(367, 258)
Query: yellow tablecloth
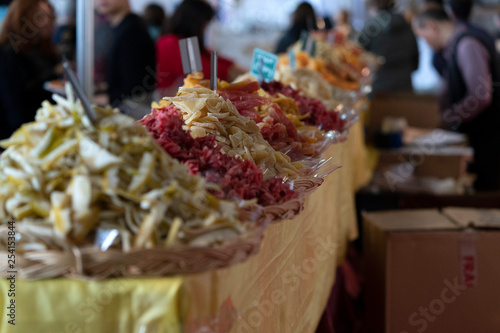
(282, 289)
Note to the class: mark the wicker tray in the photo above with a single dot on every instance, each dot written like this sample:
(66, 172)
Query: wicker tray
(90, 262)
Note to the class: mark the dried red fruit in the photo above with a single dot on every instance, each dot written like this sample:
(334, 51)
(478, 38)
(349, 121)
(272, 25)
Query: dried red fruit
(238, 179)
(318, 114)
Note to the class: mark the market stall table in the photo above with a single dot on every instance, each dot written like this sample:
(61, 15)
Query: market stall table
(284, 288)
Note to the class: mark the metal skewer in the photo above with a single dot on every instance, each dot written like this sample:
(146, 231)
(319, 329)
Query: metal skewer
(87, 106)
(213, 70)
(190, 55)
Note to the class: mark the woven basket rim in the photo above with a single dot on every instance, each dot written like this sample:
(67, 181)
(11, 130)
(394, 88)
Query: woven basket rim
(90, 262)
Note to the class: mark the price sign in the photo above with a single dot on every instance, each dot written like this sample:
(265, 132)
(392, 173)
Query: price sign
(264, 65)
(291, 57)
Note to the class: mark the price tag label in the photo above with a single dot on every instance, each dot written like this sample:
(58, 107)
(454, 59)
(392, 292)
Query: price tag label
(291, 57)
(264, 65)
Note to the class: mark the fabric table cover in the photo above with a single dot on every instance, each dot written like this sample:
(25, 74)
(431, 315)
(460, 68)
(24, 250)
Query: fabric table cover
(284, 288)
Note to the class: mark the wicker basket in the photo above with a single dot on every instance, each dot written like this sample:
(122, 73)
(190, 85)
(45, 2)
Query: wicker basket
(90, 262)
(285, 211)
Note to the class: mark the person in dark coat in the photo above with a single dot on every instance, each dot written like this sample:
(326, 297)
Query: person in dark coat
(303, 19)
(28, 60)
(130, 61)
(470, 101)
(459, 11)
(389, 35)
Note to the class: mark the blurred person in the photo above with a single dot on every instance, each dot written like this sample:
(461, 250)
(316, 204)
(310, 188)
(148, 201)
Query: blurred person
(65, 33)
(103, 35)
(303, 19)
(156, 20)
(459, 11)
(438, 61)
(496, 22)
(343, 24)
(130, 59)
(65, 40)
(190, 19)
(470, 102)
(328, 23)
(389, 35)
(28, 59)
(432, 3)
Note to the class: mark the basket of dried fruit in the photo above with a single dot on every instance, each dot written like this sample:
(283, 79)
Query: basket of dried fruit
(102, 199)
(258, 156)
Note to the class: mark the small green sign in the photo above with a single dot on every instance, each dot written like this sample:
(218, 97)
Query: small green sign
(263, 65)
(291, 57)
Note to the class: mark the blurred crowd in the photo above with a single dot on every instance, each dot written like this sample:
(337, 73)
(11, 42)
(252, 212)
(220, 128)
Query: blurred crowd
(465, 56)
(137, 57)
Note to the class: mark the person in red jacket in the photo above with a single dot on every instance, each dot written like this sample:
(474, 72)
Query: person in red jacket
(190, 19)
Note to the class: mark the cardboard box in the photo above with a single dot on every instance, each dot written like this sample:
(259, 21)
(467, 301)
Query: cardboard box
(476, 218)
(427, 272)
(438, 162)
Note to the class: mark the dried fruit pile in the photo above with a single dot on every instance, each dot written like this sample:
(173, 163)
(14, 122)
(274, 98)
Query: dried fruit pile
(63, 173)
(316, 111)
(206, 113)
(237, 179)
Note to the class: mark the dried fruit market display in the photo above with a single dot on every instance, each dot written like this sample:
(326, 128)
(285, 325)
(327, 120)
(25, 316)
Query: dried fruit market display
(190, 187)
(112, 195)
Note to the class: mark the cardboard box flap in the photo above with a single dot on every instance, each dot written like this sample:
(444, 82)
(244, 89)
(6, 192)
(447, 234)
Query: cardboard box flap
(410, 220)
(478, 218)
